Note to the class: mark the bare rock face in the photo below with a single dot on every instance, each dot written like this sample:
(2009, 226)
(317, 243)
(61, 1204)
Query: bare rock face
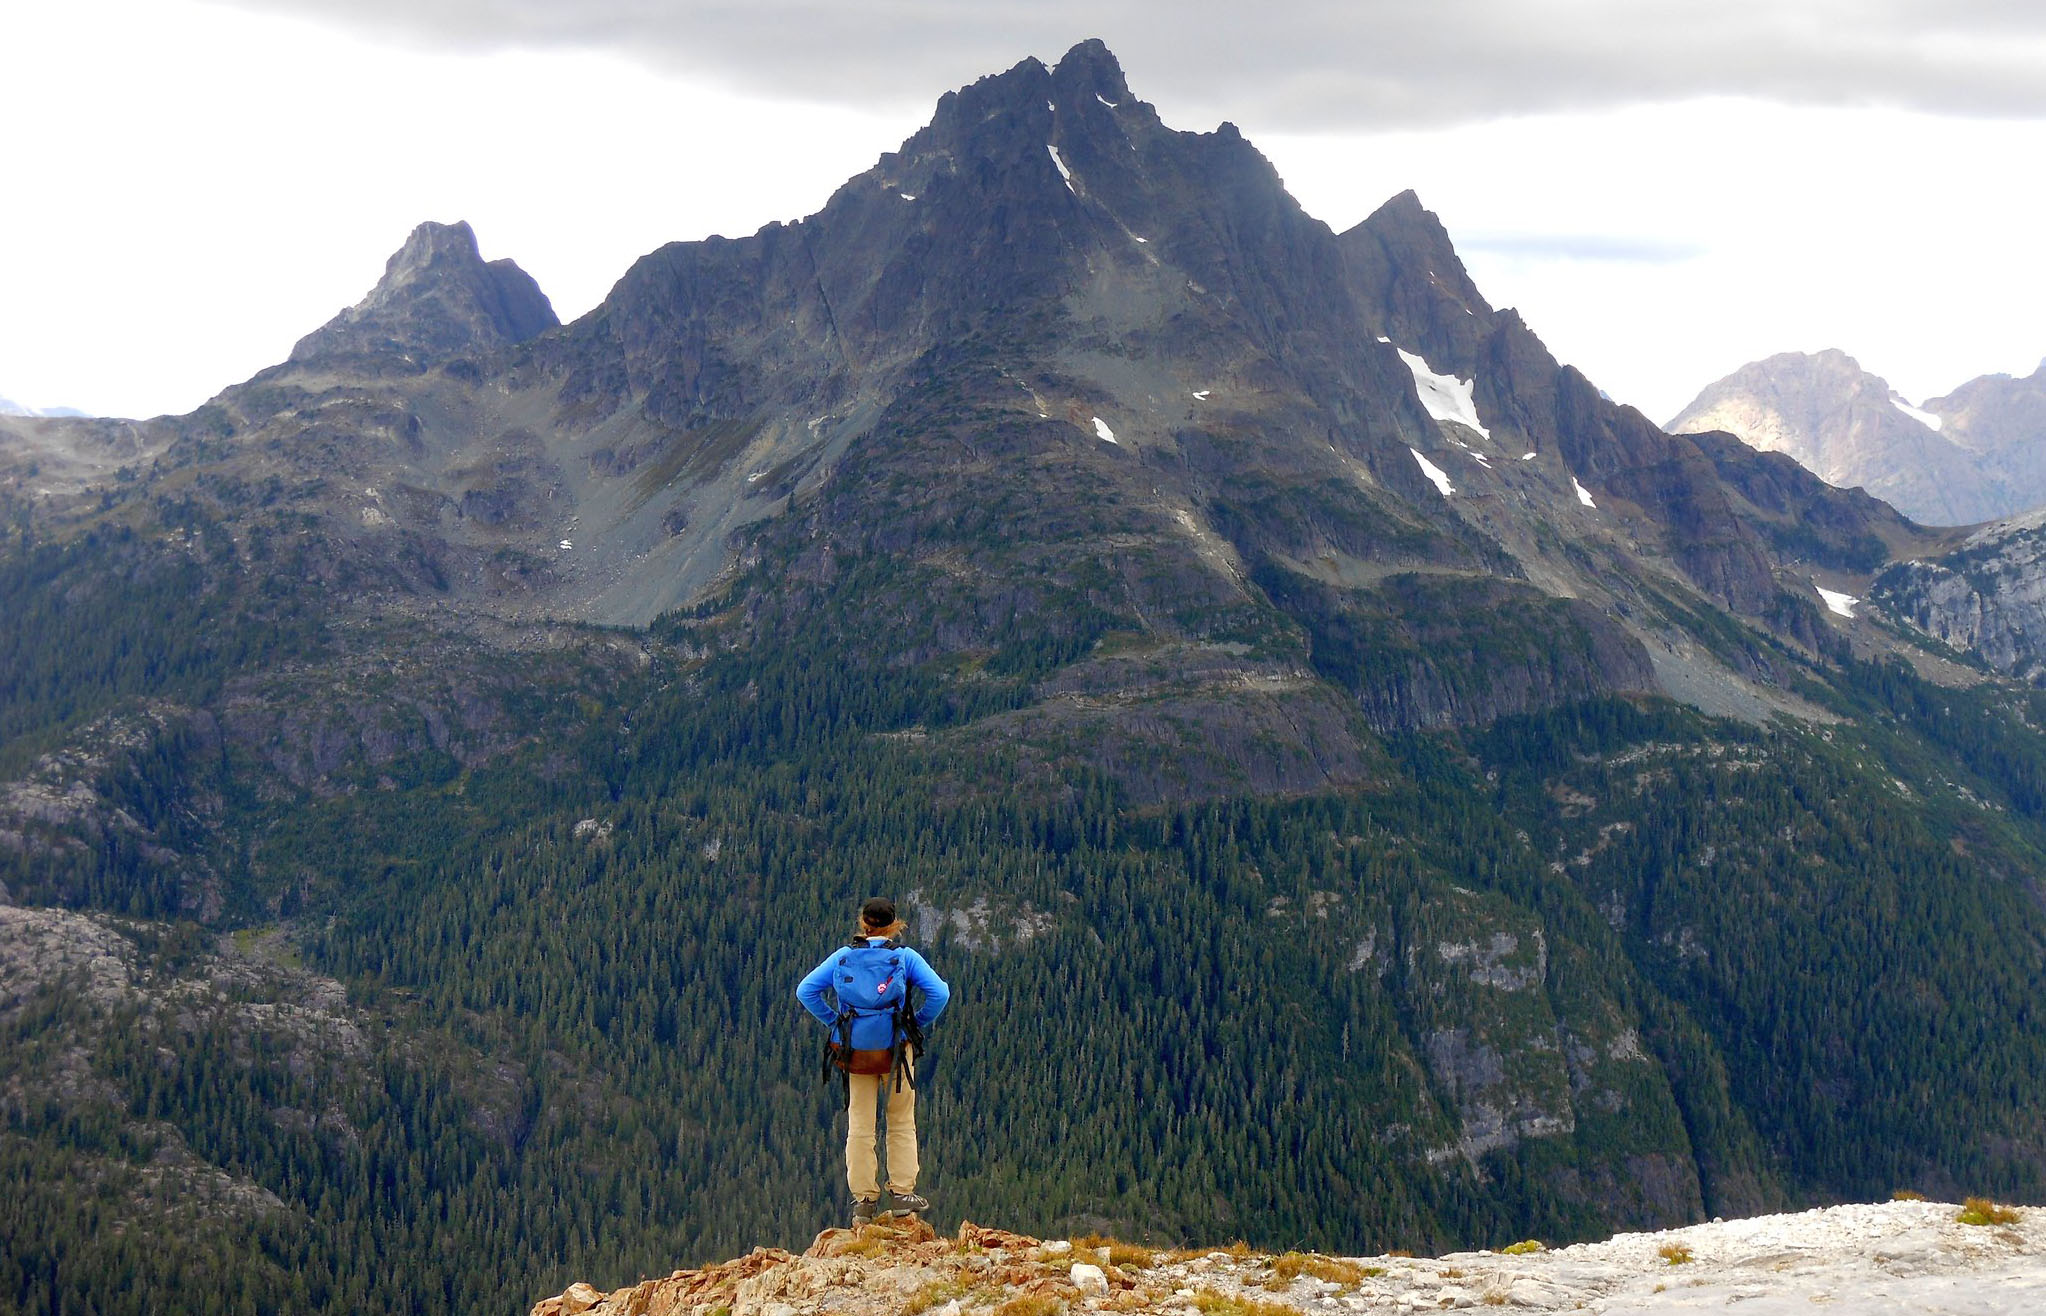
(438, 300)
(1988, 596)
(1851, 429)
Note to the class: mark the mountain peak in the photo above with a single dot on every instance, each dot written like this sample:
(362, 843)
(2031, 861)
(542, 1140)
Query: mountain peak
(434, 244)
(1850, 428)
(438, 299)
(1091, 67)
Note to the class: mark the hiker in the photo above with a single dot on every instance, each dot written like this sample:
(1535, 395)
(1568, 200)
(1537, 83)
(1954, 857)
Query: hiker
(860, 993)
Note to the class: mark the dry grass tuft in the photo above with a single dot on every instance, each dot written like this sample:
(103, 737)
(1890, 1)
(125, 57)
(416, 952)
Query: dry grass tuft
(1031, 1304)
(935, 1294)
(1290, 1266)
(1982, 1211)
(1237, 1251)
(1129, 1255)
(1210, 1303)
(1907, 1195)
(1524, 1247)
(1676, 1254)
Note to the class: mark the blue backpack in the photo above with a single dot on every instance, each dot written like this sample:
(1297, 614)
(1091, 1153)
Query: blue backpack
(872, 980)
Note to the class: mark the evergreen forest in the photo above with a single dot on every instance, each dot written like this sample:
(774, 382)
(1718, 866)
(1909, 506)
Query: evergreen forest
(458, 1035)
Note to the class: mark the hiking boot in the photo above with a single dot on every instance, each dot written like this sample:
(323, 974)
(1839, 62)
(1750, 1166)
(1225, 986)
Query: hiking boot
(907, 1203)
(863, 1211)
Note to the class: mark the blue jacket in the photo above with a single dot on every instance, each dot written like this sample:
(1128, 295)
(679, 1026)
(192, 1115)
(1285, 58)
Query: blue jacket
(874, 1032)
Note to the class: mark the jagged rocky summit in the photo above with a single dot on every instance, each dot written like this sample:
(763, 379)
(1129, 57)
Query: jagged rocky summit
(1971, 456)
(1917, 1257)
(438, 299)
(1058, 340)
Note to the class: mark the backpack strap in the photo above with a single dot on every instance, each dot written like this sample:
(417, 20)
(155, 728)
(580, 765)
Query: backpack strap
(909, 1043)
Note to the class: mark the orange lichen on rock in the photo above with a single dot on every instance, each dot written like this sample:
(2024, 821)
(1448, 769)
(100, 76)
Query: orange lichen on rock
(712, 1286)
(905, 1250)
(972, 1235)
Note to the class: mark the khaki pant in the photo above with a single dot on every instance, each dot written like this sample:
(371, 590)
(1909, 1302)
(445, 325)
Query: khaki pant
(860, 1170)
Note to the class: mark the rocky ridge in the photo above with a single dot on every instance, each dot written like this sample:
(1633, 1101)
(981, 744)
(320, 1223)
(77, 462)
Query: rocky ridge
(1127, 338)
(1897, 1256)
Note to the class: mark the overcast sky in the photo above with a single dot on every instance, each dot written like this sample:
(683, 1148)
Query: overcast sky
(1667, 189)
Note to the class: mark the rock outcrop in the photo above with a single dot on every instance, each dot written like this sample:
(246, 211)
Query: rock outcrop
(1904, 1255)
(1987, 597)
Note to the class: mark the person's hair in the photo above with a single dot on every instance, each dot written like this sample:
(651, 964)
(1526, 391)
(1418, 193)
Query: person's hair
(877, 918)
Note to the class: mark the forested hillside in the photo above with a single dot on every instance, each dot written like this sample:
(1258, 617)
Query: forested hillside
(1516, 985)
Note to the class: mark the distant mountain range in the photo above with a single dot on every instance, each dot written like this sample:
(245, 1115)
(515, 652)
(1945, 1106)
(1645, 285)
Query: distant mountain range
(1977, 454)
(9, 407)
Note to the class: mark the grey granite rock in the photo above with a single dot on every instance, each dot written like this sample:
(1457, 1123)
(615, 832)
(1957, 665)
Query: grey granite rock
(438, 300)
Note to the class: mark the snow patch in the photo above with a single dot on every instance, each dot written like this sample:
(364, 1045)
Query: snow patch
(907, 196)
(1104, 100)
(1924, 418)
(1445, 396)
(1527, 456)
(568, 543)
(1583, 494)
(1434, 473)
(1102, 432)
(1481, 459)
(1840, 605)
(1064, 172)
(1202, 396)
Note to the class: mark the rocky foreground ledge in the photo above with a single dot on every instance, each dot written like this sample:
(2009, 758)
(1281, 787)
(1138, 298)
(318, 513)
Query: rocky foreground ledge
(1892, 1258)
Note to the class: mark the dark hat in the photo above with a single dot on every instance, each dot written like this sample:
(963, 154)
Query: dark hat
(878, 912)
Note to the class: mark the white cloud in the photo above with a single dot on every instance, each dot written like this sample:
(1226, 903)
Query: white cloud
(198, 186)
(1304, 65)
